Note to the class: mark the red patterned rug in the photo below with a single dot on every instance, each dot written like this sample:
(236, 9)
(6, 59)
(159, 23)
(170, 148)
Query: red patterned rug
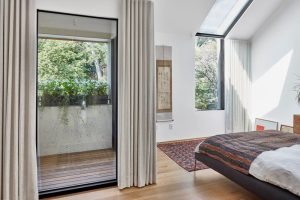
(182, 152)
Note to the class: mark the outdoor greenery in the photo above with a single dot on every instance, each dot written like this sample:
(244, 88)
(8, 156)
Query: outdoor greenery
(206, 65)
(71, 70)
(65, 92)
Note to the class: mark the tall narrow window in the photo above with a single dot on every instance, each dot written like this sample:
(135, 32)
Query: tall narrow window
(209, 52)
(209, 73)
(76, 108)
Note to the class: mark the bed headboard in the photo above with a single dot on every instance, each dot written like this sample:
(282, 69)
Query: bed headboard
(297, 124)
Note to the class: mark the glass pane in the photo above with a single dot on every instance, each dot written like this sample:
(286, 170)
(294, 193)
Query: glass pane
(207, 68)
(221, 15)
(76, 142)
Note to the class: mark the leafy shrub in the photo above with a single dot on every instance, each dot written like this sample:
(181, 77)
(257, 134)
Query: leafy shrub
(64, 92)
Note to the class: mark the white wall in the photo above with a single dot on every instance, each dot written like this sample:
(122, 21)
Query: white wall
(188, 122)
(276, 64)
(175, 22)
(253, 18)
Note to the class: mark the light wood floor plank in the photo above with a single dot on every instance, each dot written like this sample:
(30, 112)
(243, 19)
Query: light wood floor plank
(173, 183)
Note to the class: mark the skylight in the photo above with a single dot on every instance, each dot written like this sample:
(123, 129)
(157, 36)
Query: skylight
(221, 16)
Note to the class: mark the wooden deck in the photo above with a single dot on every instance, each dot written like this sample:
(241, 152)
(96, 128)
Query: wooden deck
(66, 170)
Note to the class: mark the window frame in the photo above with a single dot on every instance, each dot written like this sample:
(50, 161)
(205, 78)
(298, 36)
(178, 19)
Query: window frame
(222, 55)
(114, 99)
(221, 75)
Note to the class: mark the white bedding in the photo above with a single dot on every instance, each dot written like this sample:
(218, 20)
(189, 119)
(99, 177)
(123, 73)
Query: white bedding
(280, 167)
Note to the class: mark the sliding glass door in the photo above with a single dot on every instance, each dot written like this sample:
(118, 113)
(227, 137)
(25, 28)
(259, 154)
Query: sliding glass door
(76, 93)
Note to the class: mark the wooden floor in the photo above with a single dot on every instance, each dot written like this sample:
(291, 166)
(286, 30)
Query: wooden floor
(65, 170)
(173, 183)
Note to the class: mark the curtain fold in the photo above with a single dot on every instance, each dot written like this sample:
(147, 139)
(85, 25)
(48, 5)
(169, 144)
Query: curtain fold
(136, 121)
(237, 86)
(18, 166)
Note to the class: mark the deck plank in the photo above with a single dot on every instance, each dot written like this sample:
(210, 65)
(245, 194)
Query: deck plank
(65, 170)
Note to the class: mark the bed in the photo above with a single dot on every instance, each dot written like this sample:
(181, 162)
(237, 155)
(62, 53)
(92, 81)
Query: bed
(238, 155)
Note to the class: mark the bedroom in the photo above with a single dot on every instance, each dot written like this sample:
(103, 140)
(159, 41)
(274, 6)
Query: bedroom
(264, 33)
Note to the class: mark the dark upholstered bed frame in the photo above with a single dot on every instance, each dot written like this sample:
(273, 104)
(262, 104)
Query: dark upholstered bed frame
(262, 189)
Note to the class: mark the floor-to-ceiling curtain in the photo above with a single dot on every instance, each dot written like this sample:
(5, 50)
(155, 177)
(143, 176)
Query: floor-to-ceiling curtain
(238, 85)
(18, 170)
(136, 119)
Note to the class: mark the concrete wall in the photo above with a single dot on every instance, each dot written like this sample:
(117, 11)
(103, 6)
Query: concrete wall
(276, 65)
(71, 129)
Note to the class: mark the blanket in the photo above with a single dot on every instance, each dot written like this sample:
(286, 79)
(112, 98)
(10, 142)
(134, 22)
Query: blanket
(239, 150)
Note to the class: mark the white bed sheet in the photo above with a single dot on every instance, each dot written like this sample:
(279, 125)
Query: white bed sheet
(280, 167)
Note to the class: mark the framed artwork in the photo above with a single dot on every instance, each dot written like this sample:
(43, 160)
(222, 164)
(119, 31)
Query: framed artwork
(164, 107)
(263, 124)
(286, 129)
(164, 85)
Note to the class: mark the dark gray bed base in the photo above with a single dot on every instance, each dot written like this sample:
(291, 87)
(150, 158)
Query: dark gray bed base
(262, 189)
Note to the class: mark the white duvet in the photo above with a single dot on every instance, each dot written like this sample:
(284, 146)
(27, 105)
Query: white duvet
(280, 167)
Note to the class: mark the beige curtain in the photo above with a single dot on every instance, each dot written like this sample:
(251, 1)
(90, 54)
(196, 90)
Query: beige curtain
(238, 86)
(136, 122)
(18, 169)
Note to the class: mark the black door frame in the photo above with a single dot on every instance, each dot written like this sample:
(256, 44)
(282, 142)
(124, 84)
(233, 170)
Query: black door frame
(114, 93)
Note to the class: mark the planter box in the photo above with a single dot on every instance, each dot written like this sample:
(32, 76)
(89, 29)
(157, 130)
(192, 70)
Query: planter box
(97, 100)
(73, 100)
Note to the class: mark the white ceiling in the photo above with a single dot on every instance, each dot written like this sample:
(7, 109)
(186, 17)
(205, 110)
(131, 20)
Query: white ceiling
(254, 18)
(186, 16)
(180, 16)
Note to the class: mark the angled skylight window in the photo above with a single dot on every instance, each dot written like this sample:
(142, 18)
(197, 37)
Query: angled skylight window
(222, 15)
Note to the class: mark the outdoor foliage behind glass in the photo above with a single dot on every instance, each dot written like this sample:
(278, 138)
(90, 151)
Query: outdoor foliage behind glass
(206, 66)
(71, 68)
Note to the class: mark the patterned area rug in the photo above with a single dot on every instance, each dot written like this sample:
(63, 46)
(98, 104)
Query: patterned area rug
(182, 152)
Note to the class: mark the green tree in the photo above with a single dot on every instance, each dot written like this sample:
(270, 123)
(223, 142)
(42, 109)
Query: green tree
(97, 58)
(61, 60)
(71, 69)
(66, 60)
(206, 73)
